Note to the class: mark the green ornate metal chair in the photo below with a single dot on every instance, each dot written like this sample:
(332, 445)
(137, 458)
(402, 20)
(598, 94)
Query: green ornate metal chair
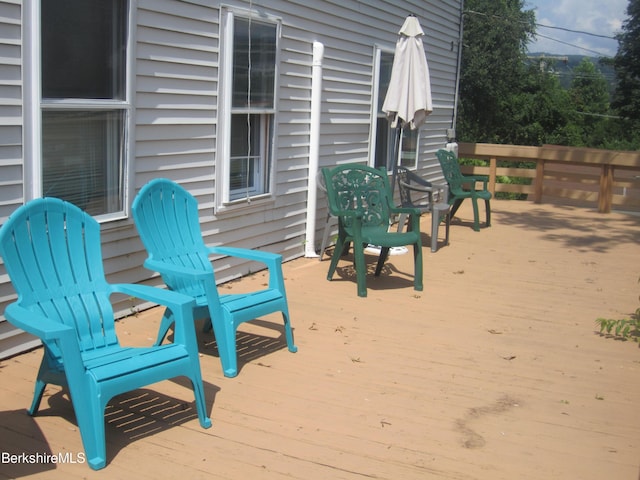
(464, 186)
(52, 253)
(360, 197)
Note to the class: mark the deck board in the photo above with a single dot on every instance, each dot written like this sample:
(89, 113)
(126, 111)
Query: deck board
(494, 371)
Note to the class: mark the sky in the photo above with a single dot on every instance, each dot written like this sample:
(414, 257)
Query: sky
(602, 17)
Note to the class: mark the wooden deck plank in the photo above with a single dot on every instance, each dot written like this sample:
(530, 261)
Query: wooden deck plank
(494, 371)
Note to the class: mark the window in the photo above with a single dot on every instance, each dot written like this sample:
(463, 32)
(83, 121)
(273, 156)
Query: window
(386, 138)
(83, 103)
(248, 105)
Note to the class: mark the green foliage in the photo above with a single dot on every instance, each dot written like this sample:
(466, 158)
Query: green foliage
(495, 36)
(624, 329)
(626, 100)
(507, 99)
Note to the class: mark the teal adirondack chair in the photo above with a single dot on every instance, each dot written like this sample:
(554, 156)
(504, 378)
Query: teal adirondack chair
(457, 190)
(52, 253)
(360, 197)
(166, 216)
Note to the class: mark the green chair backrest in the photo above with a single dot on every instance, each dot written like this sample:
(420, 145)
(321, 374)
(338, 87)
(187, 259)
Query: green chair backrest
(361, 190)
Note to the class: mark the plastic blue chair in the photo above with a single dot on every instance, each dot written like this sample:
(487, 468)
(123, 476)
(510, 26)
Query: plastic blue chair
(166, 216)
(52, 253)
(464, 186)
(360, 197)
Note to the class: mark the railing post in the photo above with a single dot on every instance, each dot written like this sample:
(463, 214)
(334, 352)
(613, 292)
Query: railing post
(539, 181)
(605, 196)
(493, 168)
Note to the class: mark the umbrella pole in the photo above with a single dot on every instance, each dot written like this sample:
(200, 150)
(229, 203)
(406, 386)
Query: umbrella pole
(396, 159)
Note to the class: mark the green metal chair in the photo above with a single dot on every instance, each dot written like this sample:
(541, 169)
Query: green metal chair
(166, 216)
(52, 253)
(360, 197)
(464, 186)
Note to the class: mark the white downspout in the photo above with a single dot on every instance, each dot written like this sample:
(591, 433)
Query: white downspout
(314, 149)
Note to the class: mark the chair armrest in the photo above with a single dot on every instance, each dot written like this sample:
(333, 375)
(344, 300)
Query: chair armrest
(417, 188)
(256, 255)
(344, 213)
(50, 332)
(407, 210)
(181, 307)
(273, 261)
(168, 298)
(476, 178)
(37, 324)
(169, 268)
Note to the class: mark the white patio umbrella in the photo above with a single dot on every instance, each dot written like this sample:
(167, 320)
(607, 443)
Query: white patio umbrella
(408, 100)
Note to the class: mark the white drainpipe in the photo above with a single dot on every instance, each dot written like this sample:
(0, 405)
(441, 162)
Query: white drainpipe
(314, 149)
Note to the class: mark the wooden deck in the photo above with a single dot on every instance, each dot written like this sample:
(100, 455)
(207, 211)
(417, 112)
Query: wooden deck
(494, 371)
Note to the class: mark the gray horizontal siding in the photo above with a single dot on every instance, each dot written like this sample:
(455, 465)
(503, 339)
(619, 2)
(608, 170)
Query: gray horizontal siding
(176, 68)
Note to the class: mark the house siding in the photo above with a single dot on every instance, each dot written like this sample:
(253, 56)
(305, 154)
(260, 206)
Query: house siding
(176, 57)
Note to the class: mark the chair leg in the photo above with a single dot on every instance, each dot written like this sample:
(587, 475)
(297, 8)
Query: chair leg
(384, 254)
(325, 237)
(288, 332)
(201, 406)
(334, 259)
(37, 397)
(417, 256)
(361, 269)
(487, 206)
(476, 217)
(226, 339)
(165, 325)
(456, 206)
(447, 220)
(435, 223)
(90, 417)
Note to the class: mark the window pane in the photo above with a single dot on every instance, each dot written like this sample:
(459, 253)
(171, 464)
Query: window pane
(261, 63)
(83, 49)
(409, 148)
(384, 144)
(249, 168)
(384, 77)
(244, 129)
(82, 155)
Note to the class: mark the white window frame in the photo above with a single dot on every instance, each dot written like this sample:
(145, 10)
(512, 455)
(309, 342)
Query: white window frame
(264, 175)
(375, 115)
(34, 105)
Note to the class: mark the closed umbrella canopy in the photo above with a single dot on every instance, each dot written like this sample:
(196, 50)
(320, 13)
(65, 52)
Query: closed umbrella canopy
(408, 100)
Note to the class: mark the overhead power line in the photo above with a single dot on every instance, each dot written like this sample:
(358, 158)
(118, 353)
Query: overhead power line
(565, 29)
(576, 31)
(571, 44)
(582, 32)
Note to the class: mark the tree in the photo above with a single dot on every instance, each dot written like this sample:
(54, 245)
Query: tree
(626, 100)
(589, 98)
(493, 68)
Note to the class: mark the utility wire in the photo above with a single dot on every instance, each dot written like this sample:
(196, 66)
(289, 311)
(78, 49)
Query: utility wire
(473, 12)
(571, 44)
(576, 31)
(545, 26)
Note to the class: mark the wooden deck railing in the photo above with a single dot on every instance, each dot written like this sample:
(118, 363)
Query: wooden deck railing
(603, 178)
